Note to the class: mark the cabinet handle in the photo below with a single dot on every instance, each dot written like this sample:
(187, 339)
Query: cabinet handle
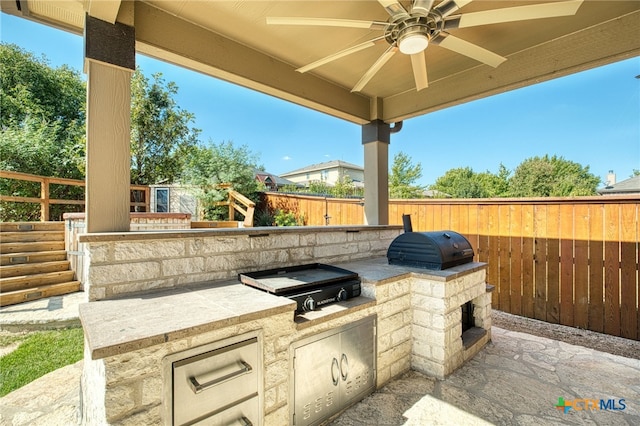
(335, 379)
(344, 372)
(197, 387)
(245, 421)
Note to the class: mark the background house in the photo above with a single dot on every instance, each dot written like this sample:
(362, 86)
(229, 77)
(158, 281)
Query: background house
(628, 186)
(329, 172)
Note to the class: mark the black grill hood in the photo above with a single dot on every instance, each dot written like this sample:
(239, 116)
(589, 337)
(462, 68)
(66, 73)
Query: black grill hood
(435, 250)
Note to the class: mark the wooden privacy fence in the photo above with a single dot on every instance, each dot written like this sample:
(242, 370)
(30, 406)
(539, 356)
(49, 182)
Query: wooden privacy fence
(139, 193)
(571, 261)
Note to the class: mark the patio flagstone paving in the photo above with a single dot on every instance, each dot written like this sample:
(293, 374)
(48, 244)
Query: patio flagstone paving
(516, 380)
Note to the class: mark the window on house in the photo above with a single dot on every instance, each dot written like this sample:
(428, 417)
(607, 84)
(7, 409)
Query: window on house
(162, 200)
(324, 175)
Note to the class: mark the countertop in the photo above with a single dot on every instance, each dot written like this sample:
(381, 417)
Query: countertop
(122, 325)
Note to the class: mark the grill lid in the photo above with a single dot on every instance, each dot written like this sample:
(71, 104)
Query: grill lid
(430, 250)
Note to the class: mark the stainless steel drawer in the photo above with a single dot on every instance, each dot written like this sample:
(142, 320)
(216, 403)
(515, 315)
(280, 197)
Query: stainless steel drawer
(214, 386)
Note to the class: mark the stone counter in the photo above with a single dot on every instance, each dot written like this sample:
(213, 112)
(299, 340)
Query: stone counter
(127, 338)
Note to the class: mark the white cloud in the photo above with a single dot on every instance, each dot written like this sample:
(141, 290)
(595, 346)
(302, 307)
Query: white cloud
(286, 158)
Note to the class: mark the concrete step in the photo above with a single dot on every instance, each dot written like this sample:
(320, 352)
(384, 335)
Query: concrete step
(32, 257)
(33, 268)
(6, 248)
(25, 282)
(40, 292)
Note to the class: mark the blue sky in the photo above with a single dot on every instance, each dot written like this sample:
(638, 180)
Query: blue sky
(592, 118)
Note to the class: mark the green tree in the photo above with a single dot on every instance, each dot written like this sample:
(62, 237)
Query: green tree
(42, 115)
(552, 177)
(161, 139)
(31, 88)
(403, 177)
(462, 182)
(215, 164)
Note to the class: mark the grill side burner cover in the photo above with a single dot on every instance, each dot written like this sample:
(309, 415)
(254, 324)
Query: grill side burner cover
(435, 250)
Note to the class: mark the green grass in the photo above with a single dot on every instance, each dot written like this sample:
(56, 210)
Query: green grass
(38, 354)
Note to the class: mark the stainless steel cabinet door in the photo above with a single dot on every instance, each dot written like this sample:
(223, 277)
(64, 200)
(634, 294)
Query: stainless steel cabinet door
(357, 362)
(317, 380)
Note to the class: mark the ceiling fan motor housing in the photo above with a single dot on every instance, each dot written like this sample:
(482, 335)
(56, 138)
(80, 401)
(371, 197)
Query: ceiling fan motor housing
(413, 33)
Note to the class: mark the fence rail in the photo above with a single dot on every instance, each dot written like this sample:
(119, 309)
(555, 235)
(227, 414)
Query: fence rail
(139, 197)
(570, 261)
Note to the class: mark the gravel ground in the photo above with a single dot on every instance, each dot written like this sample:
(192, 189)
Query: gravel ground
(575, 336)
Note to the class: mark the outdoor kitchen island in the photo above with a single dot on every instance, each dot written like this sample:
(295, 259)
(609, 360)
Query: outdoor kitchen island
(137, 344)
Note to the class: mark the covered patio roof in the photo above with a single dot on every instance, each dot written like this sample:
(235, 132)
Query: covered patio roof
(470, 55)
(231, 40)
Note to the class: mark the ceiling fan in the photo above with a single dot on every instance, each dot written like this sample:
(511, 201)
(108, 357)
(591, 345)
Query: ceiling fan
(411, 31)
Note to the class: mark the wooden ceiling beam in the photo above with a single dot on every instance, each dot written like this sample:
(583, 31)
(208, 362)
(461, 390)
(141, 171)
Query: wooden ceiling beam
(196, 48)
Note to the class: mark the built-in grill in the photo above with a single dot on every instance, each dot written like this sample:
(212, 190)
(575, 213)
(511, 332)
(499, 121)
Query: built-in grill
(311, 285)
(435, 250)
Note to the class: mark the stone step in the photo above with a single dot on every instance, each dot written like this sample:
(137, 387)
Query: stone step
(33, 268)
(32, 257)
(6, 248)
(32, 281)
(40, 292)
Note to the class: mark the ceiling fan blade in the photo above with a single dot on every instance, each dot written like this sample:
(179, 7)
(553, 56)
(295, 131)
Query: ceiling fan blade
(471, 50)
(393, 7)
(447, 7)
(512, 14)
(421, 7)
(419, 70)
(326, 22)
(375, 68)
(340, 54)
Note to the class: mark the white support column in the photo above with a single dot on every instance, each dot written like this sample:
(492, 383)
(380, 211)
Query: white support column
(376, 138)
(109, 64)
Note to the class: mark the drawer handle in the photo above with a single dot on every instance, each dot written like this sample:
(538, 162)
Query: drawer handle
(196, 387)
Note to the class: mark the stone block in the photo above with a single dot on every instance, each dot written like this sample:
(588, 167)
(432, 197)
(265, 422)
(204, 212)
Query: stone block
(395, 305)
(390, 324)
(119, 400)
(274, 241)
(152, 390)
(323, 238)
(149, 416)
(401, 335)
(334, 250)
(276, 373)
(308, 239)
(421, 318)
(136, 250)
(427, 367)
(428, 303)
(100, 252)
(192, 265)
(214, 245)
(123, 272)
(277, 417)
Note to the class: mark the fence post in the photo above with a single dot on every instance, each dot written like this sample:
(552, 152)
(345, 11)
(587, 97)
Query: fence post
(44, 196)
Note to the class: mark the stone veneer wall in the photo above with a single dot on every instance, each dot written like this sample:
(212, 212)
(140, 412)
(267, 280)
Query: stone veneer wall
(437, 328)
(138, 262)
(128, 389)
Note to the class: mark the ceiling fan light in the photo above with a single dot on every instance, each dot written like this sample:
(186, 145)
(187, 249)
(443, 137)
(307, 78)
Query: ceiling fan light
(413, 43)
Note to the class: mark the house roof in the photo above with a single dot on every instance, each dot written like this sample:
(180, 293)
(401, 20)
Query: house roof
(631, 185)
(324, 166)
(279, 181)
